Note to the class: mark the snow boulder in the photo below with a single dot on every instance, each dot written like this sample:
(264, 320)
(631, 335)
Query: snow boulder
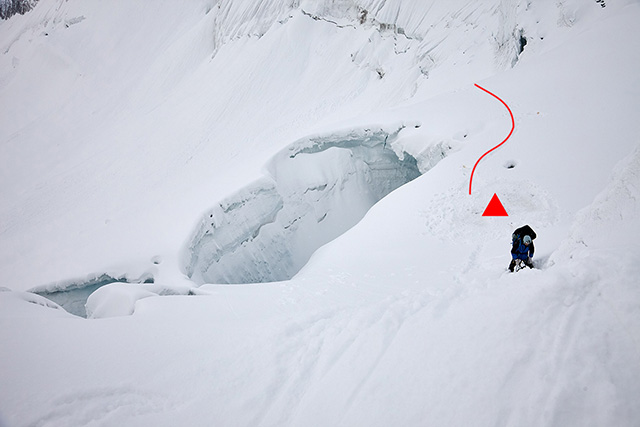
(116, 299)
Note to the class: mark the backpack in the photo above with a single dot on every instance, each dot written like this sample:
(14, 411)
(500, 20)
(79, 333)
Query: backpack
(519, 233)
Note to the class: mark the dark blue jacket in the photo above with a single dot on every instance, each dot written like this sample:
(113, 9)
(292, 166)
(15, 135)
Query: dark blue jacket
(521, 251)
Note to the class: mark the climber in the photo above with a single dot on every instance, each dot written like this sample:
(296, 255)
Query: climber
(522, 246)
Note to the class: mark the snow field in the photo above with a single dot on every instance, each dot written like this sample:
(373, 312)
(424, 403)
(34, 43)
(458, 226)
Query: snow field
(409, 318)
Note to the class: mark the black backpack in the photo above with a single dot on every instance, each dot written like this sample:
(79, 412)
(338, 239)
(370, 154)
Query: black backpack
(525, 230)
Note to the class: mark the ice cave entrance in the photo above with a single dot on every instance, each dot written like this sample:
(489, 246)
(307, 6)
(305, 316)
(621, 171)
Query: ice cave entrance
(315, 190)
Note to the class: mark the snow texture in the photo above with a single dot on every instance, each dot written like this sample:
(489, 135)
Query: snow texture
(8, 8)
(317, 156)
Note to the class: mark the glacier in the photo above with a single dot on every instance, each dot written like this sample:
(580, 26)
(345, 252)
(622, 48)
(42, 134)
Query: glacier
(293, 177)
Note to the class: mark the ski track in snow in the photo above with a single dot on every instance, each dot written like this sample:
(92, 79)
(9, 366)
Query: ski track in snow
(102, 406)
(332, 344)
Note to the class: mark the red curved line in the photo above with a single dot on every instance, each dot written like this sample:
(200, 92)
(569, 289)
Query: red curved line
(513, 126)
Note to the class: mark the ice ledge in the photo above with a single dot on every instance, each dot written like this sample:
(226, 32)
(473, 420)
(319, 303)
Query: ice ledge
(315, 190)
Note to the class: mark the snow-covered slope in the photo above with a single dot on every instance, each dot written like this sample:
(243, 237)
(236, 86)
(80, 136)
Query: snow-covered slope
(223, 141)
(190, 102)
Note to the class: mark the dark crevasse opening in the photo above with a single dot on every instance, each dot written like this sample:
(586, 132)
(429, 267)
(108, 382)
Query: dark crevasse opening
(73, 296)
(316, 189)
(522, 44)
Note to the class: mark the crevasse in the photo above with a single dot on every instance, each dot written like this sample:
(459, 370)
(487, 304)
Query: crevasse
(316, 189)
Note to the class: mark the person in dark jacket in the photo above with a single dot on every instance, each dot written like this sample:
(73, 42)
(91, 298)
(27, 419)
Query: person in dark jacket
(522, 246)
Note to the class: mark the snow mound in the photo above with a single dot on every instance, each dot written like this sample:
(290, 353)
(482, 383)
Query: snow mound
(600, 246)
(116, 299)
(612, 219)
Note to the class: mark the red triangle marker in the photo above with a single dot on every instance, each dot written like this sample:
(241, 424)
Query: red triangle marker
(495, 208)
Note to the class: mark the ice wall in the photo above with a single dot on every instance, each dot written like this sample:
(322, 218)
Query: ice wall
(429, 22)
(315, 190)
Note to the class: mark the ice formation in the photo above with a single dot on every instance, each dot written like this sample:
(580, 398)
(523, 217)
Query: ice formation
(315, 190)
